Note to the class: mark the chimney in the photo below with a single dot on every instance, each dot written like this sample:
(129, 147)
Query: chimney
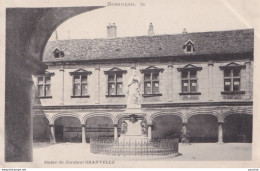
(150, 31)
(111, 31)
(184, 31)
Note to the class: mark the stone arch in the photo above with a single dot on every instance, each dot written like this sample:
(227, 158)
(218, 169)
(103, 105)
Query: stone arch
(153, 116)
(90, 115)
(65, 114)
(167, 124)
(202, 127)
(204, 112)
(35, 27)
(244, 111)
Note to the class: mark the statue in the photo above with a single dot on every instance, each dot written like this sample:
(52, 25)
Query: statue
(124, 127)
(133, 89)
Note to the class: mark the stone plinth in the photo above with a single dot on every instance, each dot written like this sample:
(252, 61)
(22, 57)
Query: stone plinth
(133, 139)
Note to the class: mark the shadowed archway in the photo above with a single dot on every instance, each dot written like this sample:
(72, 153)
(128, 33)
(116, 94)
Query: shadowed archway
(203, 128)
(167, 126)
(238, 128)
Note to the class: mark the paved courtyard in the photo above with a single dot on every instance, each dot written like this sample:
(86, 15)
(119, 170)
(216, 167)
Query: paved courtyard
(76, 152)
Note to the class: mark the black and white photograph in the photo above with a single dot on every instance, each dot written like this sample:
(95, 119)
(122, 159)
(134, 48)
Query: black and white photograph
(129, 83)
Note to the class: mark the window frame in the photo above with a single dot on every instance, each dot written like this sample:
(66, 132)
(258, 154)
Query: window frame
(80, 85)
(151, 81)
(189, 68)
(115, 82)
(80, 73)
(232, 66)
(115, 71)
(151, 70)
(190, 44)
(189, 79)
(44, 84)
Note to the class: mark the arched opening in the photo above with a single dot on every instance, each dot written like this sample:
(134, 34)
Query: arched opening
(67, 129)
(237, 128)
(202, 128)
(99, 126)
(167, 126)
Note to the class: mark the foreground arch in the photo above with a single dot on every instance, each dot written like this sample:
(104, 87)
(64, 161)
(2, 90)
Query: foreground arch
(24, 48)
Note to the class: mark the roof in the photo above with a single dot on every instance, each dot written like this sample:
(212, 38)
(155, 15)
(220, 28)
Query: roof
(220, 42)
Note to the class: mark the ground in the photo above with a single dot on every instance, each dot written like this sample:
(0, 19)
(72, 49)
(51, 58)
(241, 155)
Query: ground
(70, 152)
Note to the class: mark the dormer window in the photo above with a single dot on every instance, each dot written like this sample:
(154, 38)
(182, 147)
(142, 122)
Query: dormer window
(115, 82)
(232, 78)
(189, 47)
(58, 53)
(189, 79)
(151, 81)
(80, 83)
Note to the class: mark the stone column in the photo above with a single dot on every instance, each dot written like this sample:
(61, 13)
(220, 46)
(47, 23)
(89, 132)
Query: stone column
(210, 79)
(115, 132)
(220, 132)
(248, 85)
(83, 129)
(184, 128)
(53, 140)
(170, 83)
(149, 131)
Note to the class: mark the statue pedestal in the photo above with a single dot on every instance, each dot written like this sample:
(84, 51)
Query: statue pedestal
(133, 139)
(134, 132)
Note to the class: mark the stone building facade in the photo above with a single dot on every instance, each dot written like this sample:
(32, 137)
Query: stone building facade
(194, 84)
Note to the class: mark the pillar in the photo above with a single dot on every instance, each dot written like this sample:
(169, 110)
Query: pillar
(83, 129)
(184, 129)
(210, 79)
(149, 132)
(220, 132)
(248, 80)
(170, 83)
(115, 132)
(53, 140)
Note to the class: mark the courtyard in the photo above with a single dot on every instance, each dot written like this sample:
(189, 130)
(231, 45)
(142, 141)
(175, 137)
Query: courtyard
(80, 153)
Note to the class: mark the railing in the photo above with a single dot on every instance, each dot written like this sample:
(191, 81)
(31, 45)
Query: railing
(140, 147)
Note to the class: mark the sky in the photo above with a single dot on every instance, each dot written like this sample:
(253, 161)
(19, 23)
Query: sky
(167, 16)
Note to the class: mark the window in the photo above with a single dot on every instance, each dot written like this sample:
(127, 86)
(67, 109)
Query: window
(115, 82)
(189, 80)
(189, 47)
(151, 81)
(232, 78)
(44, 86)
(80, 83)
(58, 53)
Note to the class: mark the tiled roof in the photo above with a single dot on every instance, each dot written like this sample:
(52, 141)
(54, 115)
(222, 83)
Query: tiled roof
(221, 42)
